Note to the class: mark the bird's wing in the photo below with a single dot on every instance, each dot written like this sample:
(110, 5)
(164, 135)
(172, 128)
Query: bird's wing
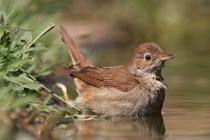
(117, 77)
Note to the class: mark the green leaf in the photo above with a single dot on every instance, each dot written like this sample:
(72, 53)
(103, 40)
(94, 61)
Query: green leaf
(13, 65)
(25, 50)
(24, 81)
(20, 101)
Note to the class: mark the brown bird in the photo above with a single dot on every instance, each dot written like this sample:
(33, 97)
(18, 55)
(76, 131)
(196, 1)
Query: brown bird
(136, 88)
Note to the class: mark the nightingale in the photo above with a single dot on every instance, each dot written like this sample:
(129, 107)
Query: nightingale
(134, 89)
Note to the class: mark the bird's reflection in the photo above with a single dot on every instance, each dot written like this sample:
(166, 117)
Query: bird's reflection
(117, 128)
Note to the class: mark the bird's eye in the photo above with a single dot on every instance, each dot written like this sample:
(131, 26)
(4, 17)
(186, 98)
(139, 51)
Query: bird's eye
(147, 56)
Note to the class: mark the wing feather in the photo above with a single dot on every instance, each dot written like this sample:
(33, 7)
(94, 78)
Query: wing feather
(117, 77)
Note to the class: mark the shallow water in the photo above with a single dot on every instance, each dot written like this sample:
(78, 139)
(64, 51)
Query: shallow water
(185, 116)
(176, 124)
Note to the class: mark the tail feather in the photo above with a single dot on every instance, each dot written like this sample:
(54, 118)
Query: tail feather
(78, 59)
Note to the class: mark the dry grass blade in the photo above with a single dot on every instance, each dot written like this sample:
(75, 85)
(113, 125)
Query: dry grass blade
(43, 33)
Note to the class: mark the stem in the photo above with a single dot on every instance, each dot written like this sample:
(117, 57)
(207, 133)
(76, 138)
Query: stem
(44, 32)
(34, 79)
(48, 90)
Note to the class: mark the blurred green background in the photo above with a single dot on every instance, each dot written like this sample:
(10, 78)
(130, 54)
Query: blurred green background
(179, 27)
(107, 32)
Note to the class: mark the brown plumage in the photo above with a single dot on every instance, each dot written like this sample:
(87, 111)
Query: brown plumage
(75, 54)
(114, 77)
(135, 88)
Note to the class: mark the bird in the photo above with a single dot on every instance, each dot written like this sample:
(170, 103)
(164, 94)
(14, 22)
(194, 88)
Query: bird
(134, 89)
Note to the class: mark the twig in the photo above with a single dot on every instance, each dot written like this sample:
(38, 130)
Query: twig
(43, 33)
(48, 90)
(34, 79)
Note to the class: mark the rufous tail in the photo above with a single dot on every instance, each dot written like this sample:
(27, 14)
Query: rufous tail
(78, 59)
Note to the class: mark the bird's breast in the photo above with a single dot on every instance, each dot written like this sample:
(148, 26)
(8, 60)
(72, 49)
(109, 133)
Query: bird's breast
(110, 101)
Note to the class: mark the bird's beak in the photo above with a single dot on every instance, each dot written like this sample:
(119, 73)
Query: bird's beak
(164, 57)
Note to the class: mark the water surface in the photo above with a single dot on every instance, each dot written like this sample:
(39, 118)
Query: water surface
(185, 116)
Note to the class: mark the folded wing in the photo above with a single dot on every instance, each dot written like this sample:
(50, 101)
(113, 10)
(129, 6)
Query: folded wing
(112, 77)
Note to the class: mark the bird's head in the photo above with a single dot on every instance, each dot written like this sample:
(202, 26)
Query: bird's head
(148, 58)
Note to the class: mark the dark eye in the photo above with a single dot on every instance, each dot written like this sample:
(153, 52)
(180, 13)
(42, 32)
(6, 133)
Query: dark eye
(147, 56)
